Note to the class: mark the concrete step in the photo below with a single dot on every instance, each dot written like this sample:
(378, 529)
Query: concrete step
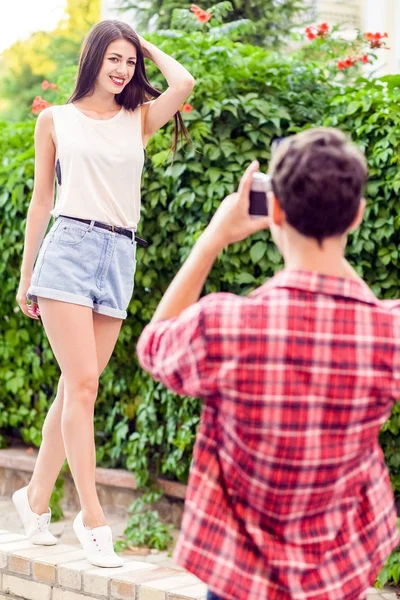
(62, 573)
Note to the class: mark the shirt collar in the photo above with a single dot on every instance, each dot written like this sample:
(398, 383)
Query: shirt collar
(311, 281)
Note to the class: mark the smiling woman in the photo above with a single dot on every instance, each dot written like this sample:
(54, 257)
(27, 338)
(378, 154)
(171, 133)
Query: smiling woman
(83, 278)
(107, 53)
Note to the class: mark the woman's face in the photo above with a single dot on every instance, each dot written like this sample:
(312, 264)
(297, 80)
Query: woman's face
(118, 66)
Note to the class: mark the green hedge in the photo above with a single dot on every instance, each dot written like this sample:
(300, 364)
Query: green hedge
(244, 97)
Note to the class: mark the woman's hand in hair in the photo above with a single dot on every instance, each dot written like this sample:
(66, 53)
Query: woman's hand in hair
(145, 47)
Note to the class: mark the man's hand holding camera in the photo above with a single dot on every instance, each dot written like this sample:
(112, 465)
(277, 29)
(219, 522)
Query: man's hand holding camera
(232, 221)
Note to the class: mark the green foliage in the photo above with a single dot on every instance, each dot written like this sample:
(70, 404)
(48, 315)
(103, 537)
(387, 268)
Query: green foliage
(391, 570)
(390, 442)
(270, 21)
(27, 370)
(368, 111)
(144, 527)
(57, 496)
(164, 435)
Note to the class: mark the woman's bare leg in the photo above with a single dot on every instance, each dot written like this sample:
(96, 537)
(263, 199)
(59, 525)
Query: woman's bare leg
(51, 456)
(82, 342)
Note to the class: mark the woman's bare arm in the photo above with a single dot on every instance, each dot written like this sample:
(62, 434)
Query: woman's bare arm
(180, 84)
(41, 204)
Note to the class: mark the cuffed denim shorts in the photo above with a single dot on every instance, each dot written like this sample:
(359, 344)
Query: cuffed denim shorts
(84, 264)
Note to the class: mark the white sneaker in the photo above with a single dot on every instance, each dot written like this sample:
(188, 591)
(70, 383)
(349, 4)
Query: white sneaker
(97, 544)
(36, 526)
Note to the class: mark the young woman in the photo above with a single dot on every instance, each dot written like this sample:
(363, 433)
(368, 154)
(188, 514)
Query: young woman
(82, 281)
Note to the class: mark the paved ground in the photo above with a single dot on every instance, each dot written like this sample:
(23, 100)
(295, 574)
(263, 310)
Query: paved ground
(63, 531)
(9, 520)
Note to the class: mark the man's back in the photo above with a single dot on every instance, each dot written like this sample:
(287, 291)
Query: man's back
(288, 496)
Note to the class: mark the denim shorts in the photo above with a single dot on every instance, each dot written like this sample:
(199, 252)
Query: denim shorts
(84, 264)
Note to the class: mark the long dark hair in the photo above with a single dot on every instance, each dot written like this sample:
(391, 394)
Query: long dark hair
(138, 90)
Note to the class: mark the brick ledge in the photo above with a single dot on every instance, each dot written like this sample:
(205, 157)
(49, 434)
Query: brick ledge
(21, 459)
(61, 573)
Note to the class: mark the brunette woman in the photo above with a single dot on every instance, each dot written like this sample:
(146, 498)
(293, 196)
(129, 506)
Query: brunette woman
(82, 281)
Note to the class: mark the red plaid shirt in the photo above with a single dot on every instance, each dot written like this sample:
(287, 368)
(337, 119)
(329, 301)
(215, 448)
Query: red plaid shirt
(288, 496)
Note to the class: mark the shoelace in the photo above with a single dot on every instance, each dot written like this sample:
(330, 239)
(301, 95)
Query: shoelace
(106, 546)
(43, 521)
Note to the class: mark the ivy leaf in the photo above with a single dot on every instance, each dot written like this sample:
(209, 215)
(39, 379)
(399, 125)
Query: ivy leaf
(243, 278)
(176, 170)
(214, 174)
(353, 107)
(258, 251)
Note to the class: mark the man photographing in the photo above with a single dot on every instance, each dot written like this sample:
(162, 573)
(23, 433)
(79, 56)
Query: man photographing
(288, 496)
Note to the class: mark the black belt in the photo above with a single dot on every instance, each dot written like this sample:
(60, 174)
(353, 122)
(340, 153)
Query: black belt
(128, 232)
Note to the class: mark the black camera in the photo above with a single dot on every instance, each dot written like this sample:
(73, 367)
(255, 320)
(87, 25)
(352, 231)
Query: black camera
(261, 184)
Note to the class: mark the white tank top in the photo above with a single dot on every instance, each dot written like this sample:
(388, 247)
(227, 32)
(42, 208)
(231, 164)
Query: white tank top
(99, 166)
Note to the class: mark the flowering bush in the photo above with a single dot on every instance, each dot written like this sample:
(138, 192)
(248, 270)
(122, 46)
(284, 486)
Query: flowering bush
(327, 45)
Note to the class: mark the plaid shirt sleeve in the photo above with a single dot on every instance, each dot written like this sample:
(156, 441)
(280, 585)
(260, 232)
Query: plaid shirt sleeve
(176, 352)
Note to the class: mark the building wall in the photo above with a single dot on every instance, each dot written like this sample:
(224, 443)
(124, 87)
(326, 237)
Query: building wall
(342, 12)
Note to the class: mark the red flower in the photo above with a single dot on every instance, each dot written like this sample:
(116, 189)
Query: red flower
(39, 104)
(46, 85)
(349, 62)
(314, 31)
(323, 28)
(187, 108)
(364, 58)
(346, 63)
(201, 15)
(375, 39)
(311, 33)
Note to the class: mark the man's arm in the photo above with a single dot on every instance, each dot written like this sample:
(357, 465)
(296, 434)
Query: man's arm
(231, 223)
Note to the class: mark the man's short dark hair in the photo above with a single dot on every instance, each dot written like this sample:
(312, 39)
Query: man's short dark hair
(318, 177)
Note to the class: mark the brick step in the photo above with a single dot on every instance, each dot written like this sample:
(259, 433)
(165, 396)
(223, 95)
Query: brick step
(62, 573)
